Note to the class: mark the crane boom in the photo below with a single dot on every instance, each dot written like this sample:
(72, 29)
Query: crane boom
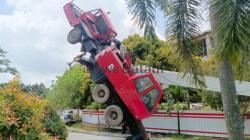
(166, 78)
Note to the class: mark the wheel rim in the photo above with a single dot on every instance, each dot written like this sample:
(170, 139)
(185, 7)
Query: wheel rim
(113, 115)
(101, 94)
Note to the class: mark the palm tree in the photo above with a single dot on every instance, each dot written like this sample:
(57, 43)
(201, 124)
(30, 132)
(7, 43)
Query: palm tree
(230, 22)
(231, 31)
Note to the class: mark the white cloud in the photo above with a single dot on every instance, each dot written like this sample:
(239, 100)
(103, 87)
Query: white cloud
(35, 35)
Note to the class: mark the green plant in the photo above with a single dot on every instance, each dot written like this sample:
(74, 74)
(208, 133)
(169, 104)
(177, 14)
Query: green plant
(164, 106)
(212, 99)
(72, 89)
(53, 124)
(95, 106)
(154, 53)
(180, 106)
(20, 114)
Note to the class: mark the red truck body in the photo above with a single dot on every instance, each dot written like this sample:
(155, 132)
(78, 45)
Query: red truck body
(140, 93)
(97, 22)
(141, 100)
(130, 97)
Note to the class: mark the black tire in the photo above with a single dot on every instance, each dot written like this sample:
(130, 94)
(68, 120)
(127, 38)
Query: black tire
(101, 93)
(113, 115)
(74, 35)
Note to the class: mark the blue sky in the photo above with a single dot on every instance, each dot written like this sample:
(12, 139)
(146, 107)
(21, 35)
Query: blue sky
(5, 8)
(34, 34)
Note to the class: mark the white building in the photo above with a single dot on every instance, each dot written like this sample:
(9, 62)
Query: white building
(205, 40)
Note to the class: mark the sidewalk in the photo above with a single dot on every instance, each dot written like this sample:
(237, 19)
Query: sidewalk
(83, 136)
(100, 133)
(107, 134)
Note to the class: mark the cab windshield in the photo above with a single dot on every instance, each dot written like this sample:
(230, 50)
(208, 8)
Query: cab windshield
(143, 84)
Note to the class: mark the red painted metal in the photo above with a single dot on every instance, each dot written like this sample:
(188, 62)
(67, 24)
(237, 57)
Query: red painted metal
(76, 17)
(123, 80)
(142, 101)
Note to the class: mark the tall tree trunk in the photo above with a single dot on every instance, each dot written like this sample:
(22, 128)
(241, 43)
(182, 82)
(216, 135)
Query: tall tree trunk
(234, 121)
(233, 118)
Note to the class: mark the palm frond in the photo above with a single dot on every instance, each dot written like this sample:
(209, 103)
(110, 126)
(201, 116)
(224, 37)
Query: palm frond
(143, 12)
(242, 64)
(232, 30)
(164, 6)
(182, 29)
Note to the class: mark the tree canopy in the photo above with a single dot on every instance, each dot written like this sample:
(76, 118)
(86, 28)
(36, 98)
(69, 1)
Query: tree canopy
(72, 89)
(36, 89)
(157, 53)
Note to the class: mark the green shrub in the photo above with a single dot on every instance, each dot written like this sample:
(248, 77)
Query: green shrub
(53, 124)
(164, 106)
(95, 106)
(180, 106)
(20, 114)
(213, 99)
(27, 117)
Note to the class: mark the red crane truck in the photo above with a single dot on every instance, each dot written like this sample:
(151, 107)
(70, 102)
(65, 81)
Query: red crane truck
(130, 97)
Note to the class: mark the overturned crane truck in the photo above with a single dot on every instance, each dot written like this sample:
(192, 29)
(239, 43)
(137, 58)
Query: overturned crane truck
(130, 97)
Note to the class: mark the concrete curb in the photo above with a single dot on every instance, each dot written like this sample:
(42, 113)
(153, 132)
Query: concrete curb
(108, 134)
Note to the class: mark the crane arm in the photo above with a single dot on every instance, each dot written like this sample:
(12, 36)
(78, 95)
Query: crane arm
(166, 78)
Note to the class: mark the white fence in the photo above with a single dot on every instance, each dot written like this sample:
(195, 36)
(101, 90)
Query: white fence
(190, 122)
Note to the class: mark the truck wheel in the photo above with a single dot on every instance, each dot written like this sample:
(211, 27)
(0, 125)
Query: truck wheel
(101, 93)
(113, 115)
(74, 35)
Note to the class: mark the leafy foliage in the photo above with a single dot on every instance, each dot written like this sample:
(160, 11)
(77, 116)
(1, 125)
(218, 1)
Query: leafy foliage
(20, 114)
(210, 68)
(36, 89)
(95, 106)
(53, 124)
(180, 106)
(144, 15)
(157, 54)
(24, 116)
(4, 63)
(164, 6)
(231, 22)
(182, 28)
(212, 99)
(72, 89)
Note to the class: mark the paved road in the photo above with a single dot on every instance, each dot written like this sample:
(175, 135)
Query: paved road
(81, 136)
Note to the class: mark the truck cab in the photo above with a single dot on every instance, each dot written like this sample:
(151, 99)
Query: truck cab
(139, 92)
